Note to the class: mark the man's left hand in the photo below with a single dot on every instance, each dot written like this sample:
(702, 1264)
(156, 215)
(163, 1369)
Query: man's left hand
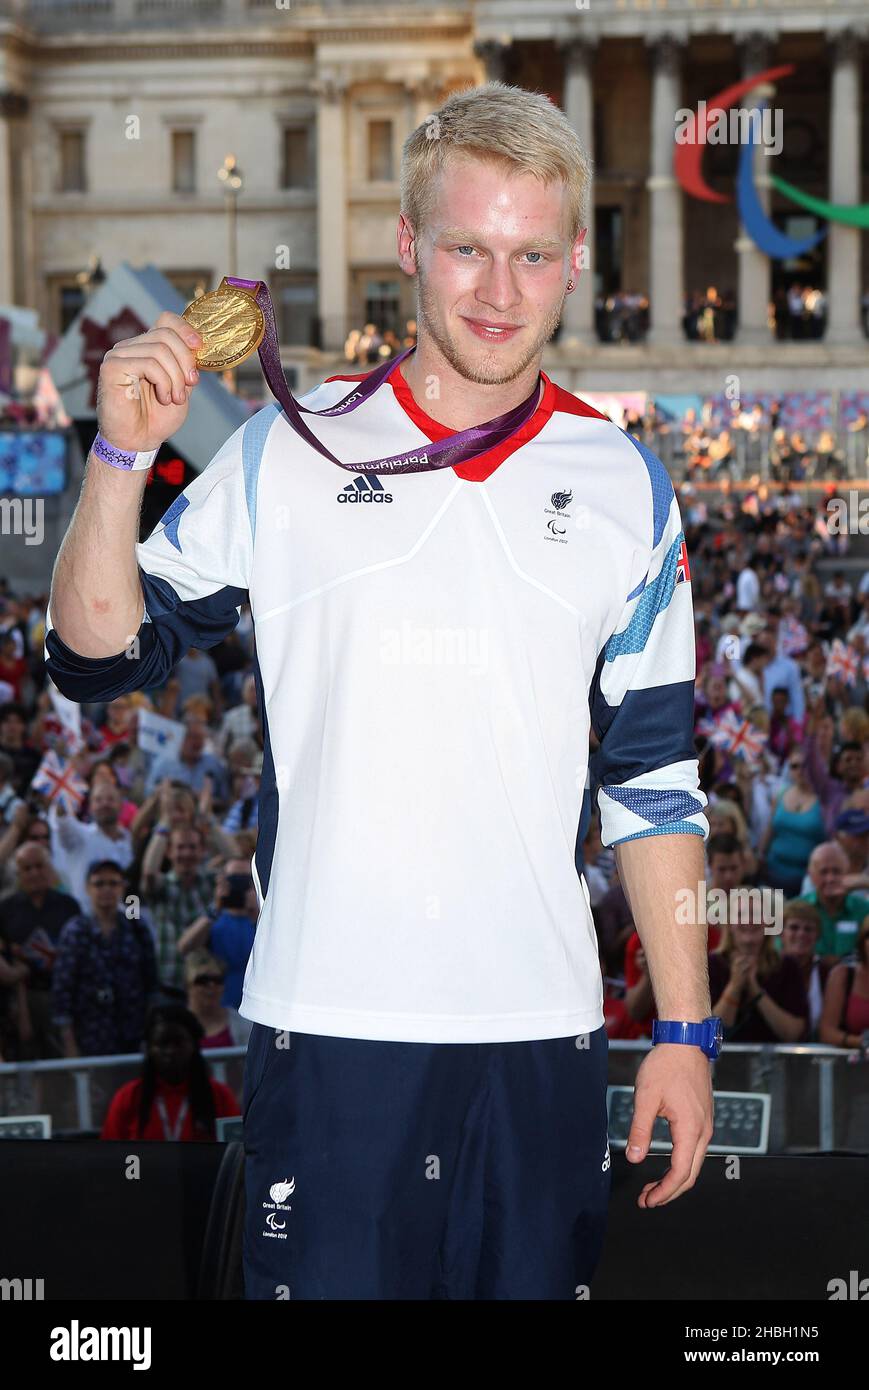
(674, 1080)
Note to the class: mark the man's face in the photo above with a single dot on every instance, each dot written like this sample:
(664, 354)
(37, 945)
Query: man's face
(827, 872)
(105, 888)
(105, 803)
(726, 871)
(12, 731)
(185, 852)
(494, 252)
(194, 739)
(851, 767)
(34, 869)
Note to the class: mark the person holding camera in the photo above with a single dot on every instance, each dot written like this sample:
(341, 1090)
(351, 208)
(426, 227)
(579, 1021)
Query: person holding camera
(228, 927)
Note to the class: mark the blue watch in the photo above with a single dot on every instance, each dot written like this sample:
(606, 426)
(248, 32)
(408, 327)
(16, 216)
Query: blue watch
(708, 1035)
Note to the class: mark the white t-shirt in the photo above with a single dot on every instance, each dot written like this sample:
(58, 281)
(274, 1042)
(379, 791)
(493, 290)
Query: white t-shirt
(432, 650)
(76, 844)
(747, 590)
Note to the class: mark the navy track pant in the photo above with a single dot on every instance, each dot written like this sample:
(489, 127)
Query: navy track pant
(393, 1170)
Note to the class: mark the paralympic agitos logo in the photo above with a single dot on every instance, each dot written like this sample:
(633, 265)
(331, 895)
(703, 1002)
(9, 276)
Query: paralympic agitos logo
(694, 130)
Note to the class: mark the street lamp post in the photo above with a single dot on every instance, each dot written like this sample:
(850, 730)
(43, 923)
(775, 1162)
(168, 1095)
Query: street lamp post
(231, 177)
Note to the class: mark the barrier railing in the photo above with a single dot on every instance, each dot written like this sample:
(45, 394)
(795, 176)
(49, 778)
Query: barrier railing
(819, 1096)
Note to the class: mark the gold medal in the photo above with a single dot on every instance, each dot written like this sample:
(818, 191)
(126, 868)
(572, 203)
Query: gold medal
(232, 327)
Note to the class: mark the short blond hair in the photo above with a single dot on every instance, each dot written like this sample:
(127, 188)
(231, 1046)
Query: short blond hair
(524, 132)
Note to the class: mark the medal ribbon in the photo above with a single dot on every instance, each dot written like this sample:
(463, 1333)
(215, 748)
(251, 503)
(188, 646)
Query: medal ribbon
(446, 453)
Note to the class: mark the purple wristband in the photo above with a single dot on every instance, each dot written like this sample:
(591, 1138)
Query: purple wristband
(122, 458)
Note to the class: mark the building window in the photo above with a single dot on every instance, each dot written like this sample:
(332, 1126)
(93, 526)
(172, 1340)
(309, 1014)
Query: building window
(183, 161)
(380, 167)
(190, 284)
(72, 161)
(295, 301)
(383, 305)
(297, 165)
(71, 302)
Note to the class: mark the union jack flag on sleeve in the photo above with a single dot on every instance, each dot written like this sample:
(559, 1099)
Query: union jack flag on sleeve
(642, 695)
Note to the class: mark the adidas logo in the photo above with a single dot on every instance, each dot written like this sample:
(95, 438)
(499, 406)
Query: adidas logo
(365, 489)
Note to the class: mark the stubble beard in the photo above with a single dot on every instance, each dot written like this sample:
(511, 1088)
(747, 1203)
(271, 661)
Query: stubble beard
(489, 370)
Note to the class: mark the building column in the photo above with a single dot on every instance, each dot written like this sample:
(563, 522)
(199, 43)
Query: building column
(493, 54)
(843, 242)
(12, 104)
(577, 319)
(425, 96)
(666, 288)
(332, 270)
(753, 265)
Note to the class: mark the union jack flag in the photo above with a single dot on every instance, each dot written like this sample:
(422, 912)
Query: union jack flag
(58, 780)
(739, 737)
(793, 637)
(683, 573)
(843, 661)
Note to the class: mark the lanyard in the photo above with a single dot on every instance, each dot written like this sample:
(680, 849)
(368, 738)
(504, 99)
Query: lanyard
(446, 453)
(172, 1131)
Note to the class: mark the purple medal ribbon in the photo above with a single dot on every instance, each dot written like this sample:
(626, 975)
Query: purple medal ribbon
(447, 453)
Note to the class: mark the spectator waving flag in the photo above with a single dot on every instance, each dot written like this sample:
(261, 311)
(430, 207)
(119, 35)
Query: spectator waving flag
(63, 729)
(159, 735)
(843, 661)
(793, 637)
(739, 737)
(57, 779)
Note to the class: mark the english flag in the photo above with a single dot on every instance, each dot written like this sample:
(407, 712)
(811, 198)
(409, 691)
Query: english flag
(683, 572)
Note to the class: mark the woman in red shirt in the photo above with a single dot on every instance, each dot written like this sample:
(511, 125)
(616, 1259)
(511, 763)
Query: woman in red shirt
(175, 1097)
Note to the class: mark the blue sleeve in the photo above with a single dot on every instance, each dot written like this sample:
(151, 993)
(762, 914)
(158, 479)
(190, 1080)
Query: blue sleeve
(642, 695)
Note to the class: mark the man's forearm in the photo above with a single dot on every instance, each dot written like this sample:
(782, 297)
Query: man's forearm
(96, 599)
(660, 876)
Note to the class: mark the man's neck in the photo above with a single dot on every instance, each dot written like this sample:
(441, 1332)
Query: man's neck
(459, 403)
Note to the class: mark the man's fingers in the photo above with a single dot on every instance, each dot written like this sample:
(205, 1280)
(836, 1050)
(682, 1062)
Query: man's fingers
(177, 345)
(165, 355)
(179, 326)
(690, 1142)
(647, 1103)
(135, 367)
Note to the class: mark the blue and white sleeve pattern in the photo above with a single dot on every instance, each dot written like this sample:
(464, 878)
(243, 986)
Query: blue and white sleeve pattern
(642, 695)
(194, 569)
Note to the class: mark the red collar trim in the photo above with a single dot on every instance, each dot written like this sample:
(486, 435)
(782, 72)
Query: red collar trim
(481, 468)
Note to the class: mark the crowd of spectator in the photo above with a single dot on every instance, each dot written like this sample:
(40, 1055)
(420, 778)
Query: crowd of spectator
(369, 345)
(799, 311)
(710, 315)
(782, 733)
(133, 889)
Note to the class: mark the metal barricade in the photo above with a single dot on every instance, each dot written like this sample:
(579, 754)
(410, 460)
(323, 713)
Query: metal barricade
(76, 1091)
(819, 1096)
